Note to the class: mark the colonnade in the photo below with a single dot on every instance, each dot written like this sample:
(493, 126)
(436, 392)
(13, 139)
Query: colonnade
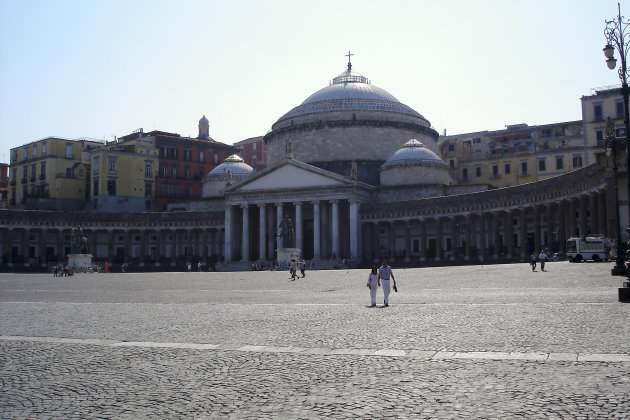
(497, 234)
(324, 229)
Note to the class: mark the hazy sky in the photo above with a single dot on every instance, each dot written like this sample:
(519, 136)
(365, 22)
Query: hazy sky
(106, 68)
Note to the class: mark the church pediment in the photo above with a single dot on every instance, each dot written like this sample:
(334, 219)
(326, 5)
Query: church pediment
(291, 175)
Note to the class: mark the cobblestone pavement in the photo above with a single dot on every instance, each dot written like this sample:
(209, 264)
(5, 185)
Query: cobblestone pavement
(459, 342)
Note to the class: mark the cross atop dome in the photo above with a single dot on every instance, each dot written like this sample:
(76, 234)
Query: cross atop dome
(349, 63)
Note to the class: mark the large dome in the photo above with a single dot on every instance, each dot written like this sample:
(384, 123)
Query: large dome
(349, 92)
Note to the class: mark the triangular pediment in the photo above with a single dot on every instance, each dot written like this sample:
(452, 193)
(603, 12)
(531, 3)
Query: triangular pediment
(291, 175)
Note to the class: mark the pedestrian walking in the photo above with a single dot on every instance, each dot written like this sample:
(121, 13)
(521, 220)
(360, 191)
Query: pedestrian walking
(303, 268)
(385, 273)
(199, 266)
(373, 283)
(532, 262)
(542, 257)
(294, 270)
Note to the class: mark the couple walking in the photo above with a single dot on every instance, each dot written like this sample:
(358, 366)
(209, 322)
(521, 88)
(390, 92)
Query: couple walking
(380, 276)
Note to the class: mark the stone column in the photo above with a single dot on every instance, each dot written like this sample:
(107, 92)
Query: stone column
(110, 247)
(562, 232)
(508, 234)
(262, 235)
(439, 239)
(335, 228)
(483, 237)
(271, 238)
(583, 218)
(228, 233)
(550, 228)
(158, 254)
(601, 214)
(523, 226)
(496, 239)
(279, 241)
(469, 236)
(537, 241)
(316, 231)
(128, 241)
(592, 199)
(354, 228)
(204, 246)
(299, 244)
(408, 241)
(392, 241)
(571, 219)
(245, 236)
(423, 240)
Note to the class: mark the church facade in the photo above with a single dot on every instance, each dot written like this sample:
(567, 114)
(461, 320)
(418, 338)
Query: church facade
(358, 173)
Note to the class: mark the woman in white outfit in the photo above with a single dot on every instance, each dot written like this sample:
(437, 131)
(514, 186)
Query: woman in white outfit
(373, 283)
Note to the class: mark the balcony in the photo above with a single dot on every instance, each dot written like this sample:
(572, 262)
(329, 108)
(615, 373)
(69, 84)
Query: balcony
(24, 180)
(13, 182)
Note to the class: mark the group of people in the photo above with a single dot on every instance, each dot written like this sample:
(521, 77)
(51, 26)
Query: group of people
(381, 277)
(542, 258)
(295, 265)
(61, 271)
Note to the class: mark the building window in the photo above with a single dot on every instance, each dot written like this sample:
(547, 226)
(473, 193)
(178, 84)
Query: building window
(451, 147)
(187, 173)
(187, 154)
(546, 132)
(495, 171)
(524, 168)
(174, 171)
(95, 165)
(478, 171)
(95, 188)
(24, 173)
(112, 165)
(148, 169)
(599, 136)
(14, 157)
(465, 174)
(451, 162)
(559, 162)
(188, 192)
(619, 109)
(174, 153)
(477, 140)
(542, 165)
(33, 172)
(163, 152)
(577, 161)
(165, 190)
(175, 190)
(216, 158)
(507, 168)
(201, 156)
(598, 111)
(111, 187)
(42, 170)
(530, 146)
(69, 150)
(148, 189)
(164, 171)
(34, 151)
(26, 154)
(43, 149)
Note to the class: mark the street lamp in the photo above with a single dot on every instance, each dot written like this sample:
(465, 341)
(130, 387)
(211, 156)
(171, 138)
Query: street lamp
(618, 39)
(611, 146)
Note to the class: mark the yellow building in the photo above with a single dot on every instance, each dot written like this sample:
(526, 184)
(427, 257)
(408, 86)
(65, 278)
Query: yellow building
(596, 108)
(516, 155)
(123, 176)
(51, 173)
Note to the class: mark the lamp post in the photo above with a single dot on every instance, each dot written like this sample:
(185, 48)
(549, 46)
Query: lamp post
(617, 37)
(611, 148)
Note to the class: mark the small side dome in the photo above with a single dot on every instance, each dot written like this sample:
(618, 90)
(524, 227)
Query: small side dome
(233, 169)
(204, 120)
(414, 164)
(233, 165)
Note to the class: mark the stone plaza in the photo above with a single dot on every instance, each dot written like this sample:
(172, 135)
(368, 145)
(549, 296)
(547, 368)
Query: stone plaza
(493, 341)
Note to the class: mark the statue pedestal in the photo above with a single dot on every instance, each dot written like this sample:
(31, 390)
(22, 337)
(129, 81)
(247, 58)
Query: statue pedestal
(80, 262)
(286, 255)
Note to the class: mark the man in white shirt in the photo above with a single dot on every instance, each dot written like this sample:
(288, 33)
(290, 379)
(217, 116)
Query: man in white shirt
(385, 271)
(542, 257)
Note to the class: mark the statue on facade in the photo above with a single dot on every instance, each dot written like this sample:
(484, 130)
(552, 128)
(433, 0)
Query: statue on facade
(288, 148)
(354, 170)
(229, 178)
(287, 232)
(78, 242)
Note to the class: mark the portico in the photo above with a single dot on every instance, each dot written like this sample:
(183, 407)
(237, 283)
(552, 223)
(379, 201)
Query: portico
(324, 207)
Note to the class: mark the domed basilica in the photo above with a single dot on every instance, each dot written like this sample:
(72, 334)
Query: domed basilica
(357, 172)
